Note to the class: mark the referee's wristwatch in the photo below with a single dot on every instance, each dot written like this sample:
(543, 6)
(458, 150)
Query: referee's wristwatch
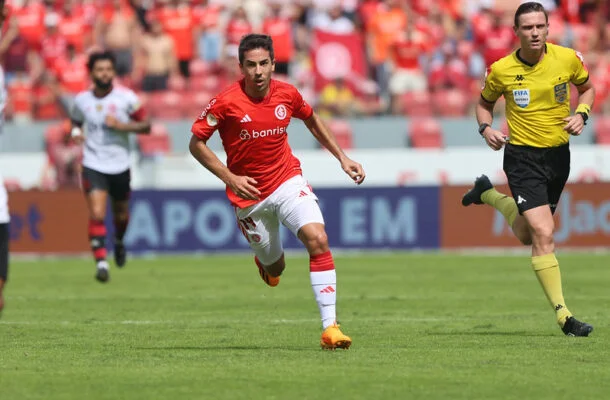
(584, 116)
(482, 128)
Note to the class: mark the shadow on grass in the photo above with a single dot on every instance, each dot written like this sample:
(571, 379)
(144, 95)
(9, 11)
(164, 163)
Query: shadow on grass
(491, 333)
(220, 347)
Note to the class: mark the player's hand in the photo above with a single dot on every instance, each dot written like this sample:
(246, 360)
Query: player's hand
(494, 139)
(80, 139)
(113, 123)
(574, 124)
(244, 187)
(354, 170)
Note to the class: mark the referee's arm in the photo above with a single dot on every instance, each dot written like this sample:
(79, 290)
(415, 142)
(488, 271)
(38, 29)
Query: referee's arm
(586, 95)
(484, 113)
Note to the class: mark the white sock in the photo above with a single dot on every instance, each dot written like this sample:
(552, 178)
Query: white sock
(103, 264)
(324, 285)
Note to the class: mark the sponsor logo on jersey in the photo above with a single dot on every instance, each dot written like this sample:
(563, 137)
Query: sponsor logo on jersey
(280, 112)
(521, 97)
(205, 110)
(254, 134)
(561, 92)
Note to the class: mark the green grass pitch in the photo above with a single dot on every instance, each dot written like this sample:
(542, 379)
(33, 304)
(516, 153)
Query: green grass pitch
(424, 326)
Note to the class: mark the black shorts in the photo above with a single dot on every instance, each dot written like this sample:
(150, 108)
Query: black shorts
(536, 176)
(117, 185)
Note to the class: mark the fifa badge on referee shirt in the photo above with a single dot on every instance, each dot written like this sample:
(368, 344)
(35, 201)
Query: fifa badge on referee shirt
(521, 97)
(561, 92)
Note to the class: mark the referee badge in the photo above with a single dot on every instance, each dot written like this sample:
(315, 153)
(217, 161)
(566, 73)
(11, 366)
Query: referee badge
(561, 92)
(521, 97)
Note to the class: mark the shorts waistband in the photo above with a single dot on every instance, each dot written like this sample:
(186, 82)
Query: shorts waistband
(538, 150)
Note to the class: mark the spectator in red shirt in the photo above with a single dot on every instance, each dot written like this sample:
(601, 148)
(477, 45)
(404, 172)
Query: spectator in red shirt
(178, 22)
(209, 44)
(18, 57)
(54, 45)
(71, 72)
(407, 74)
(279, 27)
(448, 71)
(499, 40)
(30, 17)
(73, 26)
(238, 26)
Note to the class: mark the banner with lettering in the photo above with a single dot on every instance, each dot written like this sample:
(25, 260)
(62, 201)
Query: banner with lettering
(582, 219)
(359, 218)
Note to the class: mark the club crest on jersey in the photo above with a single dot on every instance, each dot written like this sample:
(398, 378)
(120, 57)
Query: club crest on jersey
(561, 92)
(99, 107)
(212, 121)
(280, 112)
(521, 97)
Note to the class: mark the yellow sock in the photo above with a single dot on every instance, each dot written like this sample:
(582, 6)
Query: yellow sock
(501, 202)
(546, 268)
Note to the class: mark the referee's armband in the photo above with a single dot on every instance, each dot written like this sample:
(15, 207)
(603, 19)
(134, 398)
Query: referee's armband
(584, 110)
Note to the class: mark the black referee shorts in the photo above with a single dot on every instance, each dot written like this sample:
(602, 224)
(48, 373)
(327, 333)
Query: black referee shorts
(117, 185)
(536, 176)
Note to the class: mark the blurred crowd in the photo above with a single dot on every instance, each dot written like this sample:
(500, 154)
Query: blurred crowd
(423, 56)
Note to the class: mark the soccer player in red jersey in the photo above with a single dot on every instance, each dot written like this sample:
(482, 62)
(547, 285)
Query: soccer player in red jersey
(264, 179)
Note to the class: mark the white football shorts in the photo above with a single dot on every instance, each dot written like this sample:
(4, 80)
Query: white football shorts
(293, 204)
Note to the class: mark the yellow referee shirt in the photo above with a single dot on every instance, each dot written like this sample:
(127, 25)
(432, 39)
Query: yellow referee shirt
(537, 96)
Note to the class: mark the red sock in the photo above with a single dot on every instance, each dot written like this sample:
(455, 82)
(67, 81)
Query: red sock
(97, 239)
(321, 262)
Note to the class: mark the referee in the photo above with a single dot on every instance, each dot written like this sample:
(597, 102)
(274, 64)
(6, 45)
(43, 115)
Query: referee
(535, 82)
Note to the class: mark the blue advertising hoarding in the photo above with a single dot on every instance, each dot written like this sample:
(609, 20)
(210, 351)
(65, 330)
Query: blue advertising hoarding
(362, 218)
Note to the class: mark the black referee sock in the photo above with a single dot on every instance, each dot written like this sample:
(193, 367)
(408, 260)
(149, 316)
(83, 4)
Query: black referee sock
(4, 237)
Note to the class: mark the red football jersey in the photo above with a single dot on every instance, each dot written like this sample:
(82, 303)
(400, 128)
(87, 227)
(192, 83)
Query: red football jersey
(254, 134)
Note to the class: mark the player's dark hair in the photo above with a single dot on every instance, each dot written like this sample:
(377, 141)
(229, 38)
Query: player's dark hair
(529, 7)
(98, 56)
(255, 41)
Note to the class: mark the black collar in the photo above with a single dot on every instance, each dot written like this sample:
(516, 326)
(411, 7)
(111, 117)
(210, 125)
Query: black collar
(525, 62)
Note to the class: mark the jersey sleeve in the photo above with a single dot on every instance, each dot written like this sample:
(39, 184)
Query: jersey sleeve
(300, 108)
(134, 107)
(492, 88)
(580, 73)
(211, 118)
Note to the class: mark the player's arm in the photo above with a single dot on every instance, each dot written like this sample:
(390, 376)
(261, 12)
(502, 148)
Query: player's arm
(243, 186)
(77, 120)
(576, 123)
(328, 140)
(134, 126)
(138, 122)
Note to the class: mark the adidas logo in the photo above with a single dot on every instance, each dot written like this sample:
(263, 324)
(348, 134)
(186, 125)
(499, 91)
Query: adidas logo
(246, 118)
(302, 194)
(328, 289)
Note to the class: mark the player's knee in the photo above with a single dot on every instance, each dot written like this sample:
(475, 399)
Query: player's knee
(97, 214)
(317, 242)
(542, 237)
